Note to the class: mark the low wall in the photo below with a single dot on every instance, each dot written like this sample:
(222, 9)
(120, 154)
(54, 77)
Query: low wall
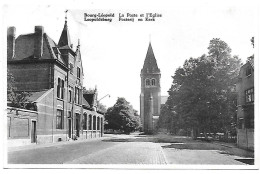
(88, 134)
(19, 126)
(18, 142)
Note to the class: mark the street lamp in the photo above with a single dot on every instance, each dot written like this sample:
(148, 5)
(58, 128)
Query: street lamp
(101, 99)
(104, 97)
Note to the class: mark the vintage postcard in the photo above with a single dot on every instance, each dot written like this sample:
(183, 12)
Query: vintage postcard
(130, 85)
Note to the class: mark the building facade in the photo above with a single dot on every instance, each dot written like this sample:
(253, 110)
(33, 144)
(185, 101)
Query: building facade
(150, 97)
(245, 104)
(53, 75)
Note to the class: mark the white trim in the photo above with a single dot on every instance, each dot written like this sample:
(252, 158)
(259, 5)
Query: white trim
(77, 111)
(19, 109)
(59, 107)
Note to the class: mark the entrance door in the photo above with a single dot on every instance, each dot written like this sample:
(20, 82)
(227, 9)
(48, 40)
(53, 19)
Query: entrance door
(69, 128)
(77, 124)
(33, 132)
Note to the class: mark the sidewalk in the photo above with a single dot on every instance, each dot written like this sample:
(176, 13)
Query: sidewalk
(37, 146)
(229, 148)
(234, 150)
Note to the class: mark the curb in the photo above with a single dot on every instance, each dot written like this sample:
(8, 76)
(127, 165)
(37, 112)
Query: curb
(38, 146)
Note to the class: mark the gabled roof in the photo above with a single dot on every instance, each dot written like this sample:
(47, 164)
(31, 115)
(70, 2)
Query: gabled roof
(34, 96)
(90, 98)
(78, 56)
(24, 48)
(85, 103)
(65, 37)
(150, 63)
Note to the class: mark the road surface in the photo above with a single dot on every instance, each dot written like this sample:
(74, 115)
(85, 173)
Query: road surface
(126, 149)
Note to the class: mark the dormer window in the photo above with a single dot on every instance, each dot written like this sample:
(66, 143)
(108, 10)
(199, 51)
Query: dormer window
(56, 52)
(248, 71)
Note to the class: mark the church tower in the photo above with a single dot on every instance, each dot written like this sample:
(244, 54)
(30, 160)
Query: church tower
(150, 97)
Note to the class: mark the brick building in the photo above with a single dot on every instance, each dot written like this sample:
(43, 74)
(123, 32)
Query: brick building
(53, 74)
(245, 104)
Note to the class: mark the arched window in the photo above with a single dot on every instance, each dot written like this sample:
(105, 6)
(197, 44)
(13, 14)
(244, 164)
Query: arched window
(89, 122)
(94, 122)
(84, 121)
(153, 82)
(98, 123)
(147, 82)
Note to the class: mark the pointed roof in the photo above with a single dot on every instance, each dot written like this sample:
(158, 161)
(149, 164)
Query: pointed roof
(150, 63)
(65, 37)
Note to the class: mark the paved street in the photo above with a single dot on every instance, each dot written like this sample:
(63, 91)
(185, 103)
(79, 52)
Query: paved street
(129, 149)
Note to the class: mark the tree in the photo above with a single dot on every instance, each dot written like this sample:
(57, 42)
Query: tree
(225, 74)
(251, 58)
(100, 107)
(252, 41)
(202, 93)
(18, 99)
(122, 117)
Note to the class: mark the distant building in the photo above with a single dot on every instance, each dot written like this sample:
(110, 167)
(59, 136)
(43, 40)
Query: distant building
(245, 103)
(53, 74)
(150, 97)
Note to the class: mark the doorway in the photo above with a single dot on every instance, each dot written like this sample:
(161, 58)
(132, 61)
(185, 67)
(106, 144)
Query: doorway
(77, 126)
(70, 128)
(33, 132)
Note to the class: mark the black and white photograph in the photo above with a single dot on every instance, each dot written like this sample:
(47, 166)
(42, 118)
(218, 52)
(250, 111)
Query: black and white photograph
(165, 85)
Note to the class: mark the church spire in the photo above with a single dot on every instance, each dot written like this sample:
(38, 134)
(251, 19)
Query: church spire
(65, 37)
(150, 63)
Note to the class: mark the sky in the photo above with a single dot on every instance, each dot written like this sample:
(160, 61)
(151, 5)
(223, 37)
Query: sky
(113, 53)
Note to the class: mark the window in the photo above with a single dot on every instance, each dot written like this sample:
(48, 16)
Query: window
(71, 68)
(153, 82)
(69, 114)
(78, 72)
(98, 123)
(77, 123)
(94, 122)
(147, 82)
(59, 120)
(77, 96)
(70, 95)
(89, 122)
(85, 122)
(248, 71)
(250, 95)
(60, 88)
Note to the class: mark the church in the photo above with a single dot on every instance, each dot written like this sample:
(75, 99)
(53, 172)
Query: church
(150, 97)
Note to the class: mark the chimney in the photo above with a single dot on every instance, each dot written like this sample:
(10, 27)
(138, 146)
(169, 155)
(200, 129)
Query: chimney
(10, 42)
(38, 41)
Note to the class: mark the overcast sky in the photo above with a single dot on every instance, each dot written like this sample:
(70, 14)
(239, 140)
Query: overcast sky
(113, 53)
